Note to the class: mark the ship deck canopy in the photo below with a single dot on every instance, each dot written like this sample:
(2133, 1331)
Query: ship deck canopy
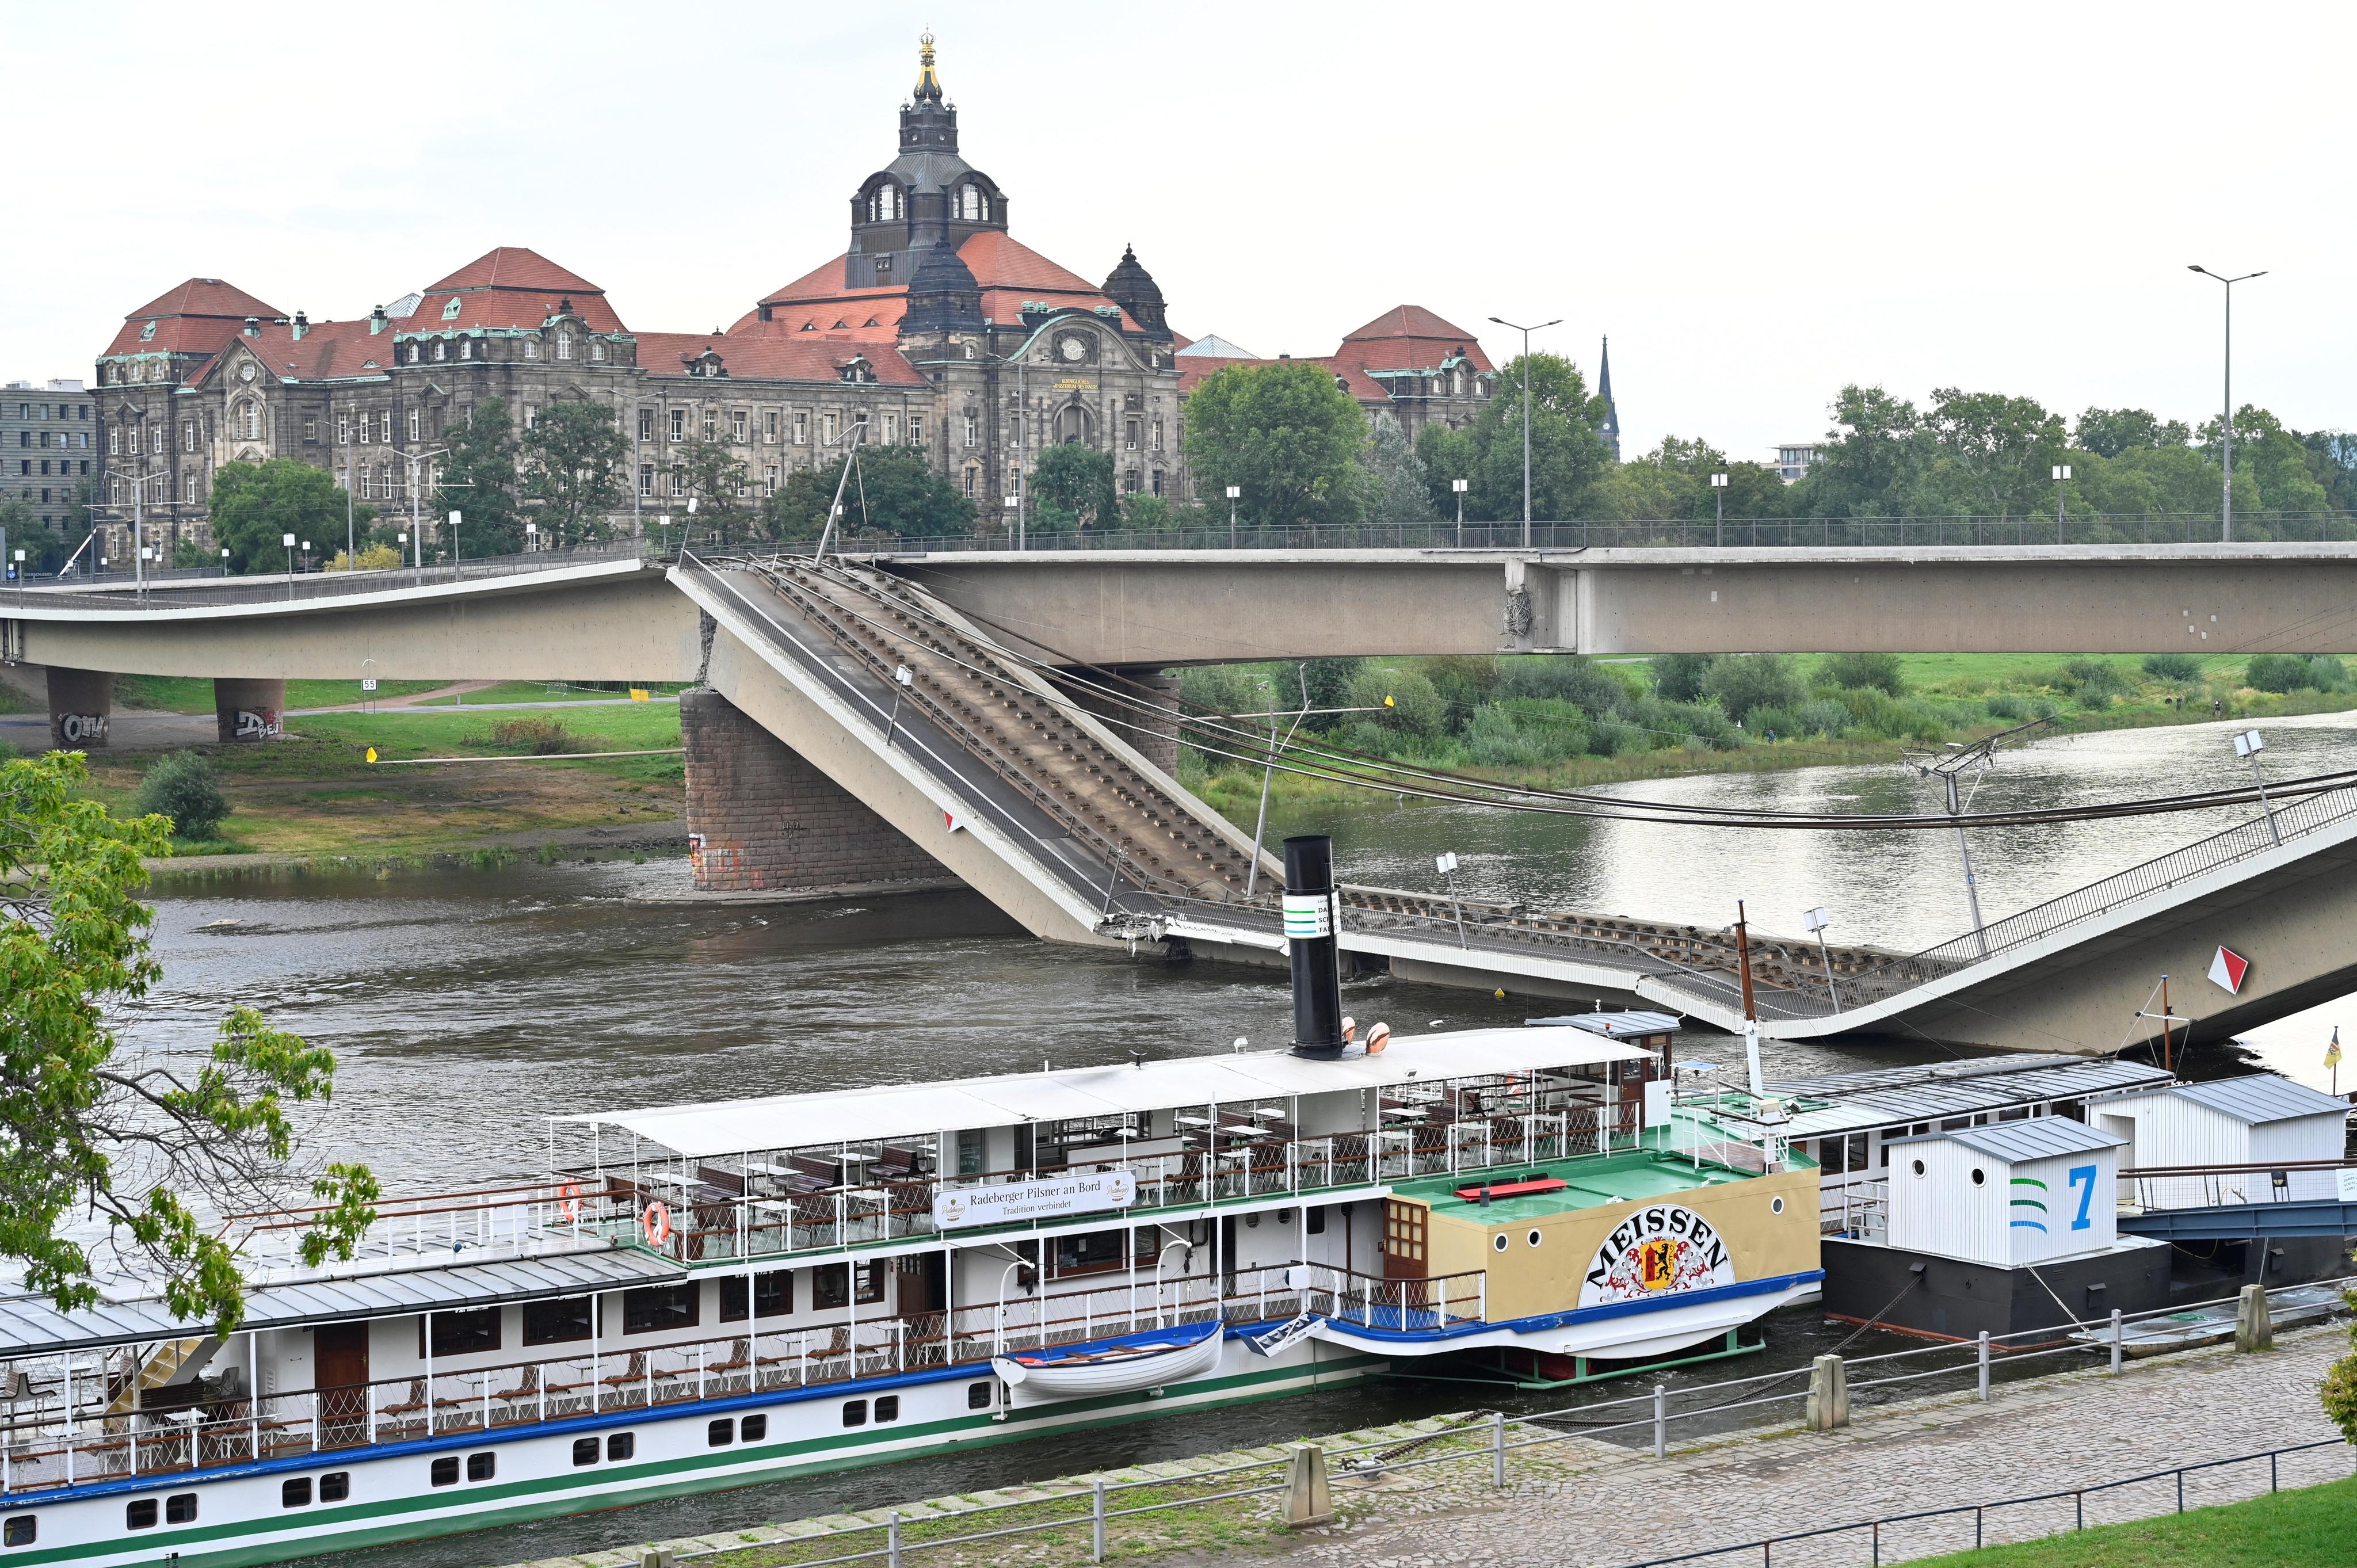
(927, 1110)
(1942, 1091)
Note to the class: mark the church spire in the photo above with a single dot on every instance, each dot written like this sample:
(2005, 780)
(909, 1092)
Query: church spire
(929, 82)
(1612, 430)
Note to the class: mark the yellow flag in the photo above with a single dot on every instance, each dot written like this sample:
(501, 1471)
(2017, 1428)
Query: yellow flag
(372, 754)
(1388, 703)
(2333, 1051)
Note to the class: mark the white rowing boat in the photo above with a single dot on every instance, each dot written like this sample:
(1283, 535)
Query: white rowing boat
(1115, 1369)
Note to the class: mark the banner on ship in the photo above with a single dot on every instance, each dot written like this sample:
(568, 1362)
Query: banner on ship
(1662, 1249)
(1044, 1198)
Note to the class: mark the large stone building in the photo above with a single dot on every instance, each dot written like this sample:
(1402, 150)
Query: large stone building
(935, 328)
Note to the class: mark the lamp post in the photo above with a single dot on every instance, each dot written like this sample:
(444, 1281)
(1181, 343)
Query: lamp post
(1447, 865)
(2226, 430)
(224, 560)
(417, 526)
(457, 572)
(20, 578)
(1013, 521)
(288, 540)
(2061, 478)
(1527, 332)
(1718, 504)
(2249, 743)
(1234, 491)
(1457, 487)
(531, 537)
(1817, 920)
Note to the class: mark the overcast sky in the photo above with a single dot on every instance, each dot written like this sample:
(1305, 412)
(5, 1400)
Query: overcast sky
(1757, 203)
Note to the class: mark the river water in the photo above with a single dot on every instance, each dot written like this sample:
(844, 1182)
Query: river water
(464, 1006)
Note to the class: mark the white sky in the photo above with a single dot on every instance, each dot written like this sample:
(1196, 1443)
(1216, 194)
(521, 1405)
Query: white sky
(1756, 202)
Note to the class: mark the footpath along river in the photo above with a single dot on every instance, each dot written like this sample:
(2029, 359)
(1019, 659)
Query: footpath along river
(463, 1006)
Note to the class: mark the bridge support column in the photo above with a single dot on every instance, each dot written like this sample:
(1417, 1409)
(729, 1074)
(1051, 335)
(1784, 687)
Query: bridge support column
(1156, 739)
(248, 711)
(81, 704)
(760, 817)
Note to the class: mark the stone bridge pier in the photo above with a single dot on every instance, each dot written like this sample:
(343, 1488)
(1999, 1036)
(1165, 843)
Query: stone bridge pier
(82, 704)
(761, 818)
(1155, 740)
(248, 712)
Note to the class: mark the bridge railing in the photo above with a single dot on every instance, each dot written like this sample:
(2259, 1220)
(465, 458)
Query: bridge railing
(115, 591)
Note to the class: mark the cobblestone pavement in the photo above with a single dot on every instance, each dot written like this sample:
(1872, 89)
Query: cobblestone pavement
(1603, 1507)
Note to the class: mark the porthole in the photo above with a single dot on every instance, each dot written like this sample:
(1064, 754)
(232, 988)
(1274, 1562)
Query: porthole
(1775, 1206)
(887, 1407)
(1979, 1175)
(482, 1466)
(1499, 1242)
(1532, 1238)
(855, 1412)
(1918, 1167)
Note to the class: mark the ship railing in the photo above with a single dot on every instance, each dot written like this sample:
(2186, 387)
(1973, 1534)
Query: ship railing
(43, 1447)
(2215, 1186)
(709, 1224)
(1859, 1208)
(522, 1220)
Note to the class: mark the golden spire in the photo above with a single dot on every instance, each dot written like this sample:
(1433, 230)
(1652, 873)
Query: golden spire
(929, 85)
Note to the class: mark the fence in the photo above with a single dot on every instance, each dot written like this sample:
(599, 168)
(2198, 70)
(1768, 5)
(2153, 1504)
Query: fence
(1094, 1509)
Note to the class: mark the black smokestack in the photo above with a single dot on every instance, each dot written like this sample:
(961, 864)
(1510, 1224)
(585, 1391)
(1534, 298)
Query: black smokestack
(1312, 920)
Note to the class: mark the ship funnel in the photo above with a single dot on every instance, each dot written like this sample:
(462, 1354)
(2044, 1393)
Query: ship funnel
(1313, 918)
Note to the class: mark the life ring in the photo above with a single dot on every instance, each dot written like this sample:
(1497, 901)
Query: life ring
(656, 1223)
(569, 1202)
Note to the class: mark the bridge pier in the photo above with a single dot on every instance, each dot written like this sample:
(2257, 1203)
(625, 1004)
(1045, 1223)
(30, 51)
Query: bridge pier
(81, 702)
(1156, 740)
(761, 818)
(248, 712)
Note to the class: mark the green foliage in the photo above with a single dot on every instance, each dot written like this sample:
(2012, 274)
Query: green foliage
(1525, 735)
(2170, 666)
(1398, 488)
(1286, 435)
(1146, 515)
(536, 737)
(1739, 682)
(1568, 458)
(1071, 487)
(1673, 481)
(187, 554)
(1854, 670)
(75, 944)
(719, 483)
(254, 505)
(45, 549)
(1821, 716)
(895, 493)
(2276, 672)
(1328, 682)
(1407, 699)
(183, 787)
(1564, 678)
(1678, 676)
(2008, 706)
(2340, 1390)
(2327, 673)
(478, 482)
(2094, 682)
(573, 467)
(2109, 432)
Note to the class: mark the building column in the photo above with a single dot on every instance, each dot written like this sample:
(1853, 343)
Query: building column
(760, 816)
(1155, 738)
(80, 702)
(248, 712)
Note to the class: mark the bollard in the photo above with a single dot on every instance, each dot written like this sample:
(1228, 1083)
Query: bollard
(1984, 1367)
(1828, 1394)
(2254, 1326)
(892, 1541)
(657, 1557)
(1498, 1449)
(1661, 1420)
(1096, 1522)
(2115, 1341)
(1306, 1500)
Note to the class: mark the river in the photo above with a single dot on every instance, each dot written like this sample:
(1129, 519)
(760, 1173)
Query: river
(464, 1005)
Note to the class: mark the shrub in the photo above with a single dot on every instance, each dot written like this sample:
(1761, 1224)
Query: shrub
(2327, 673)
(1566, 678)
(1677, 677)
(1777, 723)
(2095, 682)
(1498, 737)
(1823, 716)
(1615, 738)
(1407, 700)
(374, 558)
(1682, 719)
(2172, 666)
(2276, 672)
(1464, 684)
(1739, 682)
(1879, 671)
(182, 787)
(2006, 705)
(539, 737)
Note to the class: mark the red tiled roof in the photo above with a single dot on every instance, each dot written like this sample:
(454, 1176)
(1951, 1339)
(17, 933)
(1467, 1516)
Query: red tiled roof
(770, 357)
(197, 317)
(1410, 338)
(206, 297)
(514, 266)
(1356, 381)
(326, 351)
(1009, 272)
(512, 286)
(1194, 369)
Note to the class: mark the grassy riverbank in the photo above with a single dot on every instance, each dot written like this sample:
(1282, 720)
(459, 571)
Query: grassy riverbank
(2314, 1526)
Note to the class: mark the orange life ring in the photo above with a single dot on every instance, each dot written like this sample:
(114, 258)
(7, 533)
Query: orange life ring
(569, 1202)
(656, 1223)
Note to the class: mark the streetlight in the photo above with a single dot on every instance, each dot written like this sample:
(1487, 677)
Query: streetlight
(2249, 743)
(1458, 486)
(1446, 864)
(20, 577)
(288, 540)
(531, 537)
(1527, 332)
(224, 560)
(1718, 499)
(457, 571)
(2226, 431)
(1013, 521)
(418, 527)
(1234, 492)
(2061, 478)
(1817, 920)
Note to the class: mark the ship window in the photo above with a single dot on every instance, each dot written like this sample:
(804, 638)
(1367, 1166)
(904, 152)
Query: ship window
(461, 1333)
(1533, 1239)
(482, 1466)
(1499, 1242)
(1829, 1155)
(1403, 1231)
(977, 1395)
(139, 1515)
(556, 1322)
(585, 1451)
(773, 1292)
(1918, 1167)
(335, 1485)
(295, 1493)
(21, 1530)
(1317, 1226)
(719, 1433)
(1775, 1206)
(180, 1507)
(888, 1408)
(1979, 1175)
(755, 1428)
(659, 1307)
(621, 1446)
(445, 1472)
(855, 1412)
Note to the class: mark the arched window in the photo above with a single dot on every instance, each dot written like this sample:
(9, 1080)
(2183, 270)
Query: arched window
(249, 421)
(596, 350)
(440, 348)
(885, 204)
(1071, 425)
(565, 345)
(974, 207)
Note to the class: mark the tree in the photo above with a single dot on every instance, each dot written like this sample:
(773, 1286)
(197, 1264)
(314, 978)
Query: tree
(479, 483)
(573, 457)
(1286, 435)
(1568, 457)
(720, 484)
(2108, 432)
(1398, 486)
(1739, 682)
(1869, 464)
(2271, 467)
(1992, 454)
(44, 548)
(2339, 1392)
(181, 788)
(256, 505)
(140, 1143)
(1071, 487)
(1673, 481)
(895, 492)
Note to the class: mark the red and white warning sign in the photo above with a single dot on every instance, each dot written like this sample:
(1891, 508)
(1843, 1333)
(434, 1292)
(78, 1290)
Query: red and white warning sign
(955, 823)
(2227, 971)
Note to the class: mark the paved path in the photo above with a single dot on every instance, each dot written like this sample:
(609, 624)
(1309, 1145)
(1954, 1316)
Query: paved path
(1600, 1510)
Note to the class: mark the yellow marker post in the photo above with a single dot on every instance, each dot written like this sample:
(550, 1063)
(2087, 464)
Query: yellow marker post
(639, 694)
(1389, 704)
(372, 754)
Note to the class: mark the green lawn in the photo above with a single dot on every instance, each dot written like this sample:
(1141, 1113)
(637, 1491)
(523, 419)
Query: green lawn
(444, 732)
(2314, 1527)
(194, 693)
(546, 691)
